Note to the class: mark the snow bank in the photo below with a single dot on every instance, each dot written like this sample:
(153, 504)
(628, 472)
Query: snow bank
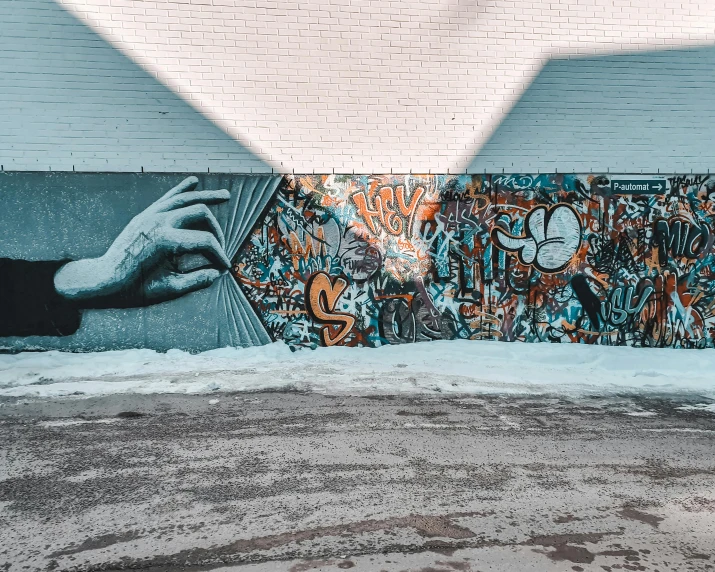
(458, 366)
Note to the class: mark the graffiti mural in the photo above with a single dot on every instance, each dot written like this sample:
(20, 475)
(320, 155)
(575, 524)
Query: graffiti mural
(117, 260)
(362, 260)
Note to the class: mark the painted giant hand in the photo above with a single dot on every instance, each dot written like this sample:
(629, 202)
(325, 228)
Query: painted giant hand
(173, 247)
(146, 263)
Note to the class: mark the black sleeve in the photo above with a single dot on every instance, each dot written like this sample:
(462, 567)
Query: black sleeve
(29, 303)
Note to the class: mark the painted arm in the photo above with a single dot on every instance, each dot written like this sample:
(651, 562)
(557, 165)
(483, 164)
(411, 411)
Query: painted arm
(29, 303)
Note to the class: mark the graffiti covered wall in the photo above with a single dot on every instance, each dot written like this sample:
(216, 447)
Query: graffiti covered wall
(110, 261)
(372, 260)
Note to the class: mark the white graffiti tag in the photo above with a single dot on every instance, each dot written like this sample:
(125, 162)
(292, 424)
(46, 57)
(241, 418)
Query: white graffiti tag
(552, 237)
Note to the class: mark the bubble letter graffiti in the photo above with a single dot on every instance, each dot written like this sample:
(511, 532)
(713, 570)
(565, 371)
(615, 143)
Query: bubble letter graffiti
(552, 237)
(321, 297)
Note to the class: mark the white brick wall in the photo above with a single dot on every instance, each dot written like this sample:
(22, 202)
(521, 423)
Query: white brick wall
(358, 85)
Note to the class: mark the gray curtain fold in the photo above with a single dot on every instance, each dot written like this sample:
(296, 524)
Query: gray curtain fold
(250, 194)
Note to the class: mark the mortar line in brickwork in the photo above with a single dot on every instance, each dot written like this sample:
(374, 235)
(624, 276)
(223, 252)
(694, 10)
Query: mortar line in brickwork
(665, 174)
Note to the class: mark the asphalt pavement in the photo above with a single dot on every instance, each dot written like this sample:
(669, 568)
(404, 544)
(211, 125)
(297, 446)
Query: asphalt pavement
(302, 481)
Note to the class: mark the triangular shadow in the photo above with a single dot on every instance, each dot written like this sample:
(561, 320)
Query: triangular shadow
(74, 101)
(649, 111)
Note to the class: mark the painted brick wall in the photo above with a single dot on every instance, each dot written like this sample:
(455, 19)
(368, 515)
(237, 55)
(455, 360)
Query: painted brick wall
(358, 85)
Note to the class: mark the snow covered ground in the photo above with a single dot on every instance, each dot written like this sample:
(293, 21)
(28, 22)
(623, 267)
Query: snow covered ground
(457, 367)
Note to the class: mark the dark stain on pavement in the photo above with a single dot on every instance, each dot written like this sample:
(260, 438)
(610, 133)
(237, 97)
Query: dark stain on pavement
(563, 545)
(427, 414)
(697, 556)
(631, 513)
(659, 469)
(310, 565)
(130, 415)
(571, 553)
(97, 542)
(440, 547)
(444, 566)
(566, 518)
(427, 526)
(454, 565)
(632, 554)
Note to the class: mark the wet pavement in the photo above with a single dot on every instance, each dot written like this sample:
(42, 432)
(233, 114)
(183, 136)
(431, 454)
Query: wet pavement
(303, 481)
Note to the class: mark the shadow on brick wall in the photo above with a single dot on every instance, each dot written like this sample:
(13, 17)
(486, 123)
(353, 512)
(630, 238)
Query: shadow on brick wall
(71, 100)
(651, 111)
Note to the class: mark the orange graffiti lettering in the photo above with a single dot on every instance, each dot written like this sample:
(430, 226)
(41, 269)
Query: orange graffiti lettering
(314, 246)
(385, 201)
(390, 207)
(321, 296)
